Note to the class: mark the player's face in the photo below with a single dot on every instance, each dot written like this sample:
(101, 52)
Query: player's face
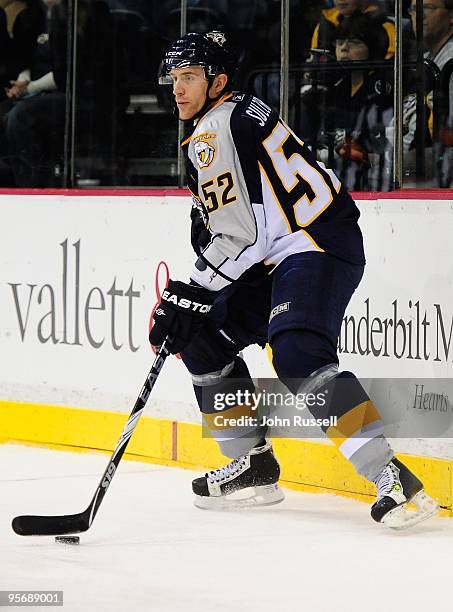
(190, 87)
(437, 21)
(351, 49)
(347, 7)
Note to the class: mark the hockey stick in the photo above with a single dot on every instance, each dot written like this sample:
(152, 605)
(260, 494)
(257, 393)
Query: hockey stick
(77, 523)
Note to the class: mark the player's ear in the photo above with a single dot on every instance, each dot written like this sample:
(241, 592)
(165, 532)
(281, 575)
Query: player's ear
(218, 85)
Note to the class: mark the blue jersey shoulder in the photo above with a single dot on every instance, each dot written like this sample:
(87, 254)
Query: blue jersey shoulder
(250, 107)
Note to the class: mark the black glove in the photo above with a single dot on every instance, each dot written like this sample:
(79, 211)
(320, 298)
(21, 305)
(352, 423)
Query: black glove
(200, 236)
(182, 311)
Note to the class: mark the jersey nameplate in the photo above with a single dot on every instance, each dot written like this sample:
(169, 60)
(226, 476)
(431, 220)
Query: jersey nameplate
(258, 111)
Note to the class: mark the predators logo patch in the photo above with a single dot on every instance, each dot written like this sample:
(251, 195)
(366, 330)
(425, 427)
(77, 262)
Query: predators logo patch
(205, 153)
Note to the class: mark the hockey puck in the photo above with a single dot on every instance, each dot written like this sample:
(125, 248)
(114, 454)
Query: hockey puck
(67, 539)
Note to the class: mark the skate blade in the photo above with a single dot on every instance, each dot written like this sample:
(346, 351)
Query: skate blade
(401, 517)
(266, 495)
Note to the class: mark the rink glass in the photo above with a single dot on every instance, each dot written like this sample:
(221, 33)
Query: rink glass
(120, 129)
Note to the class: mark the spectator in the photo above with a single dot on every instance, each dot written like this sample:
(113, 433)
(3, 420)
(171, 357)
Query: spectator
(12, 9)
(437, 29)
(5, 53)
(438, 47)
(35, 123)
(325, 32)
(38, 75)
(104, 65)
(25, 21)
(437, 32)
(355, 124)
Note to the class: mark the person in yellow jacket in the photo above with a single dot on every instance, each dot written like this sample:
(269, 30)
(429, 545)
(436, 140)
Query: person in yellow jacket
(12, 9)
(324, 35)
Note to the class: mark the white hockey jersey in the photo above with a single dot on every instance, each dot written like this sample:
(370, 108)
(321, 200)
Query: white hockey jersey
(262, 193)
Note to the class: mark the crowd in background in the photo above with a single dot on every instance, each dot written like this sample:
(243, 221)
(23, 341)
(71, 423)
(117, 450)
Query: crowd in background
(102, 114)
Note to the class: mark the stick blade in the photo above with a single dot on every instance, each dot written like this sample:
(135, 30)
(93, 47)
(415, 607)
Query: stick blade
(28, 525)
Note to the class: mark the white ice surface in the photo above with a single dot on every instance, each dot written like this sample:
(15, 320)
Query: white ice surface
(150, 549)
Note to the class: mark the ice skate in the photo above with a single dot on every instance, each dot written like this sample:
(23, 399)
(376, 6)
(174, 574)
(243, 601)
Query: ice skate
(396, 488)
(250, 480)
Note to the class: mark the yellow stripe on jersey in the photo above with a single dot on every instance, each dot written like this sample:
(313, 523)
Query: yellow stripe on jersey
(320, 249)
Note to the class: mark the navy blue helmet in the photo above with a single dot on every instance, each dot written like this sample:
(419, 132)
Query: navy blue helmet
(207, 50)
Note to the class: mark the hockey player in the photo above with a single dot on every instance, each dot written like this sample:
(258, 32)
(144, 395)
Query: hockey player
(279, 255)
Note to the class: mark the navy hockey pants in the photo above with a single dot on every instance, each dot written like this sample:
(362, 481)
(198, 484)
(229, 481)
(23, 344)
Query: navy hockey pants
(299, 311)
